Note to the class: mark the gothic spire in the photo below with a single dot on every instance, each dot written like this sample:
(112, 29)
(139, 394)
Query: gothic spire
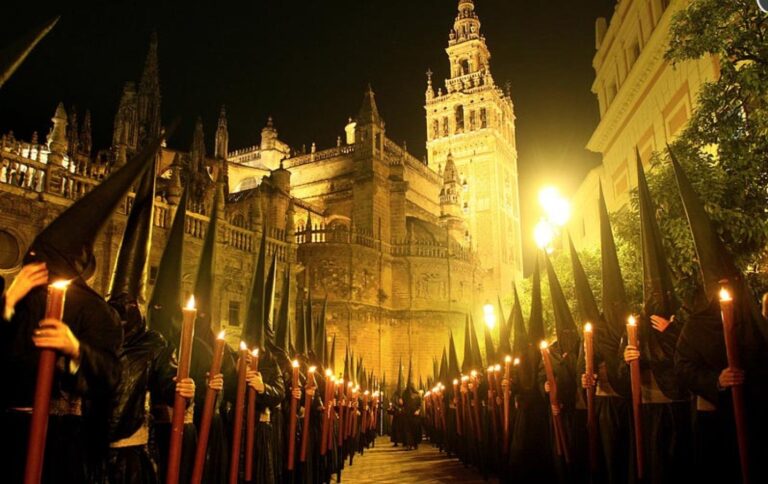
(222, 136)
(369, 112)
(148, 105)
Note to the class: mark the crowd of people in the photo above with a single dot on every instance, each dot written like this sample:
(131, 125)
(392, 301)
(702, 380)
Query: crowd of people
(675, 393)
(116, 377)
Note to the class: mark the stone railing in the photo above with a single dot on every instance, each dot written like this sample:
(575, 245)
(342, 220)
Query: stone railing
(319, 155)
(395, 155)
(341, 234)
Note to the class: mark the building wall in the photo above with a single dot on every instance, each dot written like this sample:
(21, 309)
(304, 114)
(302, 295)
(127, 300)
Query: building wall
(644, 102)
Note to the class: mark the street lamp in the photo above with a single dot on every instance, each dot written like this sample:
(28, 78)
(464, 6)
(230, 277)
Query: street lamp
(556, 207)
(543, 234)
(489, 315)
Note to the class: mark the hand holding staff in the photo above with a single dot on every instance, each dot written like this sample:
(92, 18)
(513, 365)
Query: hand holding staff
(205, 421)
(589, 356)
(292, 421)
(737, 391)
(637, 396)
(250, 429)
(557, 421)
(309, 392)
(237, 431)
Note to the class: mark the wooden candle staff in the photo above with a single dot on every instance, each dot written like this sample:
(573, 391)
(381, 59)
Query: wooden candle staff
(237, 426)
(737, 391)
(554, 401)
(250, 419)
(326, 412)
(205, 421)
(457, 405)
(589, 357)
(38, 427)
(292, 420)
(341, 403)
(476, 406)
(637, 396)
(180, 403)
(309, 385)
(507, 397)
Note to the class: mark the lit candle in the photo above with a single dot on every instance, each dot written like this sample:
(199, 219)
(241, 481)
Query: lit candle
(507, 398)
(189, 313)
(38, 428)
(737, 391)
(292, 421)
(250, 429)
(589, 357)
(207, 416)
(476, 406)
(326, 413)
(637, 396)
(237, 431)
(309, 385)
(457, 405)
(341, 406)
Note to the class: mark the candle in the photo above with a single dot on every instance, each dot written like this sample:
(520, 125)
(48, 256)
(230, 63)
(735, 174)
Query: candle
(250, 432)
(341, 405)
(476, 406)
(205, 421)
(507, 396)
(329, 413)
(326, 413)
(189, 313)
(737, 391)
(310, 384)
(465, 403)
(292, 421)
(38, 428)
(589, 357)
(457, 405)
(237, 430)
(557, 423)
(637, 396)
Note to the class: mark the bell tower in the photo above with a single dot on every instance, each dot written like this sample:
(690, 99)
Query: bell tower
(472, 119)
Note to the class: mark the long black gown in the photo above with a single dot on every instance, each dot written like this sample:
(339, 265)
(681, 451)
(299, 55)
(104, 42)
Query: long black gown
(80, 400)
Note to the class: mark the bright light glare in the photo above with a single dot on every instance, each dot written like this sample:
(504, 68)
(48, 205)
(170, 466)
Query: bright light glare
(543, 234)
(489, 315)
(555, 206)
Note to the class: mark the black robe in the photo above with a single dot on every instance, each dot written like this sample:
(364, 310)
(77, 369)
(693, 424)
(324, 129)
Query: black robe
(97, 327)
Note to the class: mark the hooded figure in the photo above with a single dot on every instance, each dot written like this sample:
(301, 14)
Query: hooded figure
(88, 372)
(529, 456)
(701, 362)
(14, 55)
(666, 406)
(611, 409)
(148, 365)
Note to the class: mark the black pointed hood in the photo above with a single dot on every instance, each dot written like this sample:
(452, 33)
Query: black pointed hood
(268, 324)
(615, 305)
(536, 331)
(164, 309)
(490, 350)
(332, 355)
(505, 333)
(301, 336)
(346, 366)
(477, 357)
(253, 329)
(409, 382)
(66, 244)
(467, 360)
(565, 328)
(443, 370)
(520, 342)
(205, 278)
(454, 370)
(321, 343)
(12, 56)
(309, 334)
(400, 378)
(283, 323)
(129, 275)
(658, 289)
(585, 298)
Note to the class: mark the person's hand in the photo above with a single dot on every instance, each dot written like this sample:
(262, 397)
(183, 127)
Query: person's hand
(417, 412)
(56, 335)
(555, 410)
(730, 377)
(661, 324)
(30, 276)
(588, 381)
(547, 386)
(185, 387)
(310, 391)
(504, 384)
(216, 382)
(499, 401)
(296, 393)
(631, 354)
(255, 381)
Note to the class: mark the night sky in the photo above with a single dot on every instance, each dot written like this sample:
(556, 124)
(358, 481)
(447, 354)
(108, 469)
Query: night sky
(307, 63)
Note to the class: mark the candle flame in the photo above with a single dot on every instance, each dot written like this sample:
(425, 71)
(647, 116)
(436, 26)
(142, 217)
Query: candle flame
(507, 359)
(61, 284)
(349, 384)
(366, 393)
(516, 362)
(588, 328)
(295, 363)
(190, 302)
(464, 378)
(243, 346)
(631, 321)
(725, 296)
(427, 394)
(490, 369)
(497, 368)
(543, 345)
(312, 369)
(328, 372)
(455, 381)
(473, 373)
(221, 335)
(255, 352)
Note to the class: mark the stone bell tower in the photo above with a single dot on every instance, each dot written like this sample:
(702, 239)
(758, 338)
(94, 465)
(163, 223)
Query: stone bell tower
(472, 120)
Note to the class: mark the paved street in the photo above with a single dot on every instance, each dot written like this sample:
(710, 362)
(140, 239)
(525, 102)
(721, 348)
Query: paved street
(386, 464)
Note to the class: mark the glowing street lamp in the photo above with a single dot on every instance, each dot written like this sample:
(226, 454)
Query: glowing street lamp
(543, 234)
(489, 315)
(556, 207)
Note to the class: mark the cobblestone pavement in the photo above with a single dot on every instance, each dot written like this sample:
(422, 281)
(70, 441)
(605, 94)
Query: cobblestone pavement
(385, 464)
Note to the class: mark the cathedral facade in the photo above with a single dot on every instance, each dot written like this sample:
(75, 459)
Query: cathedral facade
(399, 249)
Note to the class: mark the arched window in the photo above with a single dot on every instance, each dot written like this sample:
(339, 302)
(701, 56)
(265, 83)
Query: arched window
(459, 112)
(435, 128)
(464, 65)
